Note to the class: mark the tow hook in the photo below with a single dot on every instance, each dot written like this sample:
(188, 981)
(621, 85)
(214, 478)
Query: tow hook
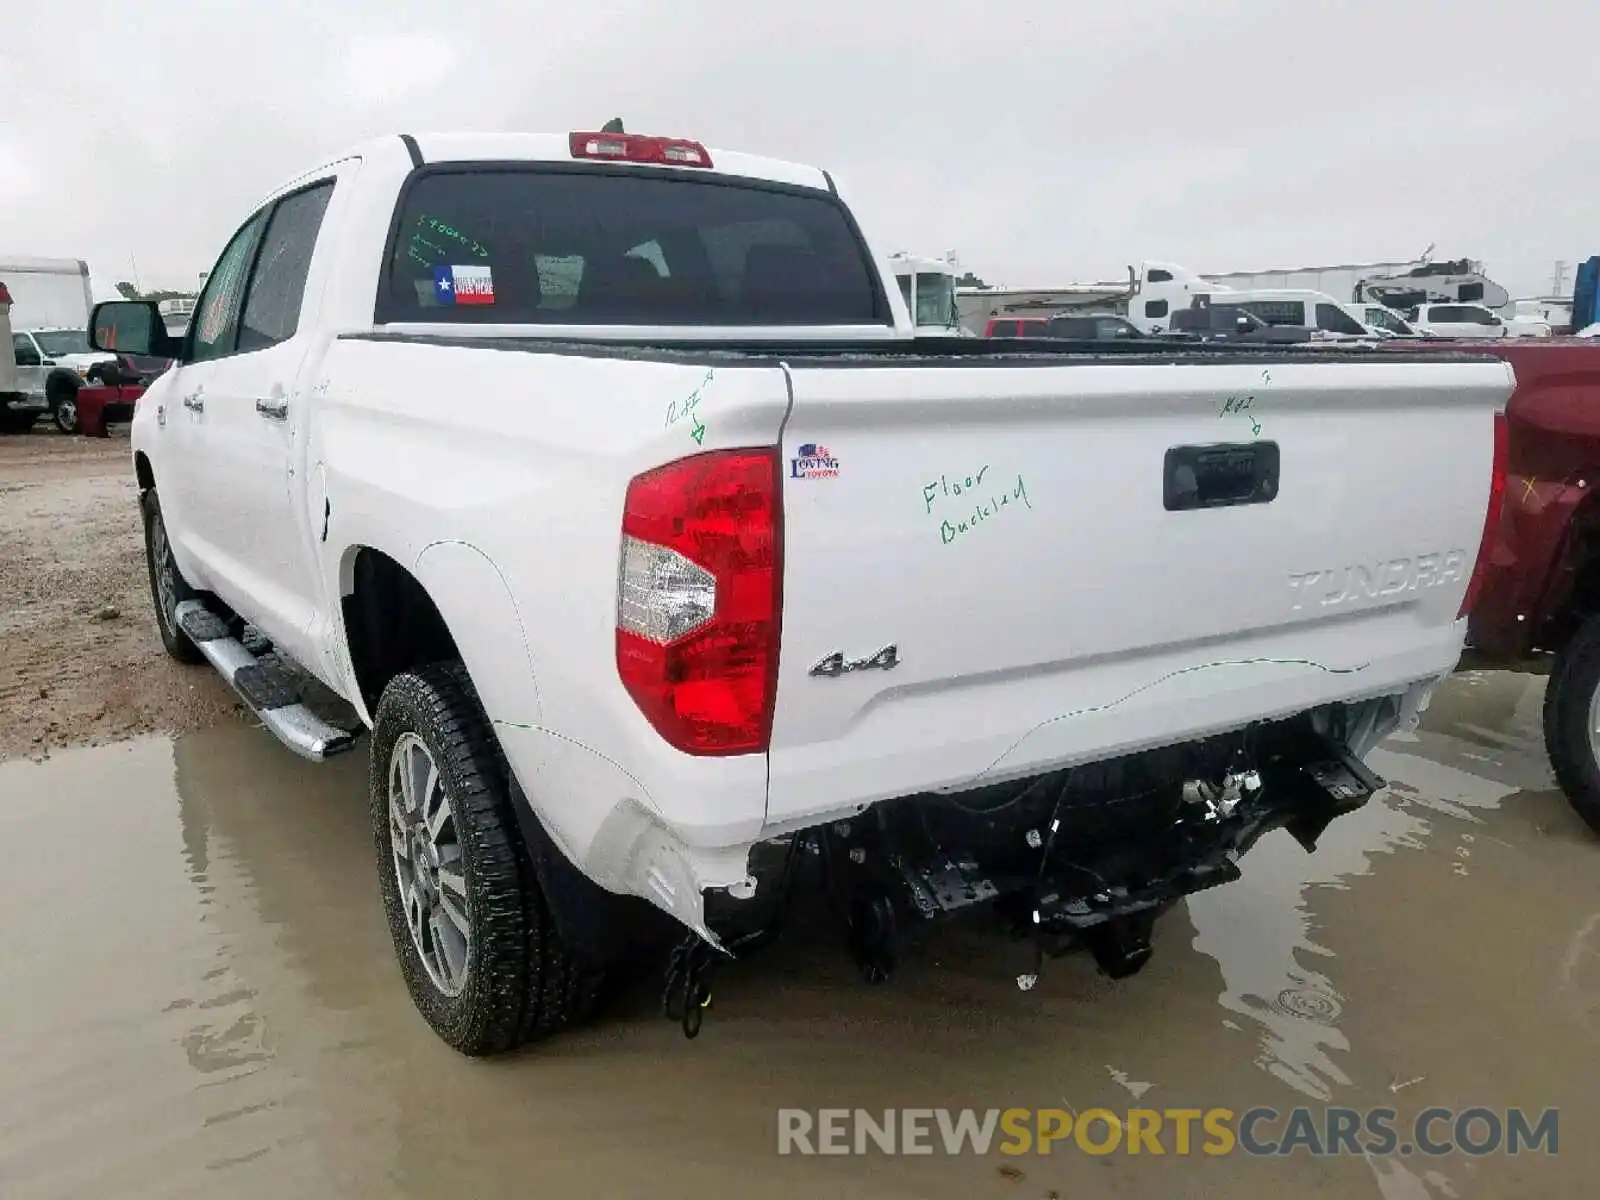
(687, 993)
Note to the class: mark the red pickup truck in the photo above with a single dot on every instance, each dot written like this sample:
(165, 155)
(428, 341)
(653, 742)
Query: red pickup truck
(1541, 587)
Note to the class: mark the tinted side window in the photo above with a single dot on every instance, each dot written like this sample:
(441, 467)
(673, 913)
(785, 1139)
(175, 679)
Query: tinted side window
(216, 315)
(1277, 312)
(542, 247)
(1155, 308)
(1069, 327)
(1157, 275)
(278, 283)
(1003, 329)
(1335, 320)
(22, 349)
(1450, 314)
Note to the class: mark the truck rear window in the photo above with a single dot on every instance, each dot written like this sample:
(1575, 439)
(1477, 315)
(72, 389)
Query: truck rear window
(596, 247)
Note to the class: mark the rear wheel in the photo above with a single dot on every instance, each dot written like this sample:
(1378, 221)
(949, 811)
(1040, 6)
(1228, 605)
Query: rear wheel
(470, 926)
(1572, 721)
(168, 588)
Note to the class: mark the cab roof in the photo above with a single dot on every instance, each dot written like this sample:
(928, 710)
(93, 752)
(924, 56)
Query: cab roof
(457, 147)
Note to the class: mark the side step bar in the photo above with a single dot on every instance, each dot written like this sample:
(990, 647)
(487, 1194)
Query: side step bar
(269, 690)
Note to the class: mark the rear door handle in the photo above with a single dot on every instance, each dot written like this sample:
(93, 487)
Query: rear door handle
(277, 409)
(194, 402)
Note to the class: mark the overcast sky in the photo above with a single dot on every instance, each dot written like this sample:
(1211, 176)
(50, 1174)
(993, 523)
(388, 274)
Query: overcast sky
(1043, 142)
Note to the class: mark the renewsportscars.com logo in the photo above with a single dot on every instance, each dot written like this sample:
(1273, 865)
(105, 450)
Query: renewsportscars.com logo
(1260, 1132)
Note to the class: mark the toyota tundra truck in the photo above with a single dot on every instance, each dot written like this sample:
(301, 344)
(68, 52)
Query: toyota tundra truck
(604, 480)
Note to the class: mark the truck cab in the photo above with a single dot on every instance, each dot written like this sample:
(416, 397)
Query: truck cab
(928, 286)
(53, 364)
(1457, 321)
(1379, 321)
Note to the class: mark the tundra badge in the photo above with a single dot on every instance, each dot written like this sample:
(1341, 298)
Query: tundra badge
(837, 664)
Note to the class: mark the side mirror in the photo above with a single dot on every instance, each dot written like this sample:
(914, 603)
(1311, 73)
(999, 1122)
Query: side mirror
(131, 327)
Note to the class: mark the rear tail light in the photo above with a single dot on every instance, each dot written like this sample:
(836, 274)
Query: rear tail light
(636, 147)
(1491, 518)
(699, 586)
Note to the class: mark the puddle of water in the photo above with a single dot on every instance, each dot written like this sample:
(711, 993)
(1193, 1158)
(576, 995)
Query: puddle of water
(200, 998)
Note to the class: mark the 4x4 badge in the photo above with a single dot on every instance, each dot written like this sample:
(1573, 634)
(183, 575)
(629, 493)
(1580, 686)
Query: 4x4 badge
(837, 664)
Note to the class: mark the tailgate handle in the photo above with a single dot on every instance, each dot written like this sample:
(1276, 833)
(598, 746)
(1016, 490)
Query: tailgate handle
(1220, 475)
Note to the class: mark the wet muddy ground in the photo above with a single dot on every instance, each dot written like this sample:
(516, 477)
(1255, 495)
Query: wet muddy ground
(79, 661)
(198, 996)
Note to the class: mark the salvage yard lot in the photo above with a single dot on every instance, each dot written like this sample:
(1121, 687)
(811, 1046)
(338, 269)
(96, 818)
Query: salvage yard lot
(204, 998)
(81, 662)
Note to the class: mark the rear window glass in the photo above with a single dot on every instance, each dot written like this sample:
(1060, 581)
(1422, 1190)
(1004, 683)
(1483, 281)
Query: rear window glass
(595, 247)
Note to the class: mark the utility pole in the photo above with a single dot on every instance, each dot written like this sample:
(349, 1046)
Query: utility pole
(1558, 278)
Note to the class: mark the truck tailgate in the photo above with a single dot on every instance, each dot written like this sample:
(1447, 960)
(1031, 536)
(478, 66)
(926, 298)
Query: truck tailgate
(1017, 533)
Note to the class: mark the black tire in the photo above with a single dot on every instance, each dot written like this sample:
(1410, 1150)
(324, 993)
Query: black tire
(1568, 698)
(17, 422)
(520, 983)
(158, 562)
(64, 408)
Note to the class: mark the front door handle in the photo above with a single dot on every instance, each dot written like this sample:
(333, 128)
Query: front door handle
(277, 408)
(194, 402)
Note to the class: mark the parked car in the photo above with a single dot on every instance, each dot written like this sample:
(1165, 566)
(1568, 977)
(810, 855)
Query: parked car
(1378, 320)
(1092, 327)
(1456, 321)
(1541, 584)
(54, 364)
(1013, 327)
(103, 404)
(1229, 323)
(709, 579)
(1292, 308)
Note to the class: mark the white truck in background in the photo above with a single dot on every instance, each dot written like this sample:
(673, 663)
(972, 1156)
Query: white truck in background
(670, 570)
(928, 287)
(47, 293)
(16, 410)
(49, 343)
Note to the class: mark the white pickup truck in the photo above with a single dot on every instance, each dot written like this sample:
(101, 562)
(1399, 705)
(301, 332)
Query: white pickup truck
(604, 478)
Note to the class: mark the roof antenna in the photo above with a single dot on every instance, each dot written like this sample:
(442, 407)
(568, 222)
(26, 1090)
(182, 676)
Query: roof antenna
(612, 126)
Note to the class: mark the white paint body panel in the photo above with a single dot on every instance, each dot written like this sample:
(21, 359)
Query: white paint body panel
(1089, 621)
(1084, 623)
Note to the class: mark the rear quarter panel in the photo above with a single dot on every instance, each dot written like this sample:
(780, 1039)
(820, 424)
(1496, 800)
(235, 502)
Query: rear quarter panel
(517, 464)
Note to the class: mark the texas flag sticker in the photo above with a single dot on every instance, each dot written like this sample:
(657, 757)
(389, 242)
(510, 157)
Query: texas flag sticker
(463, 285)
